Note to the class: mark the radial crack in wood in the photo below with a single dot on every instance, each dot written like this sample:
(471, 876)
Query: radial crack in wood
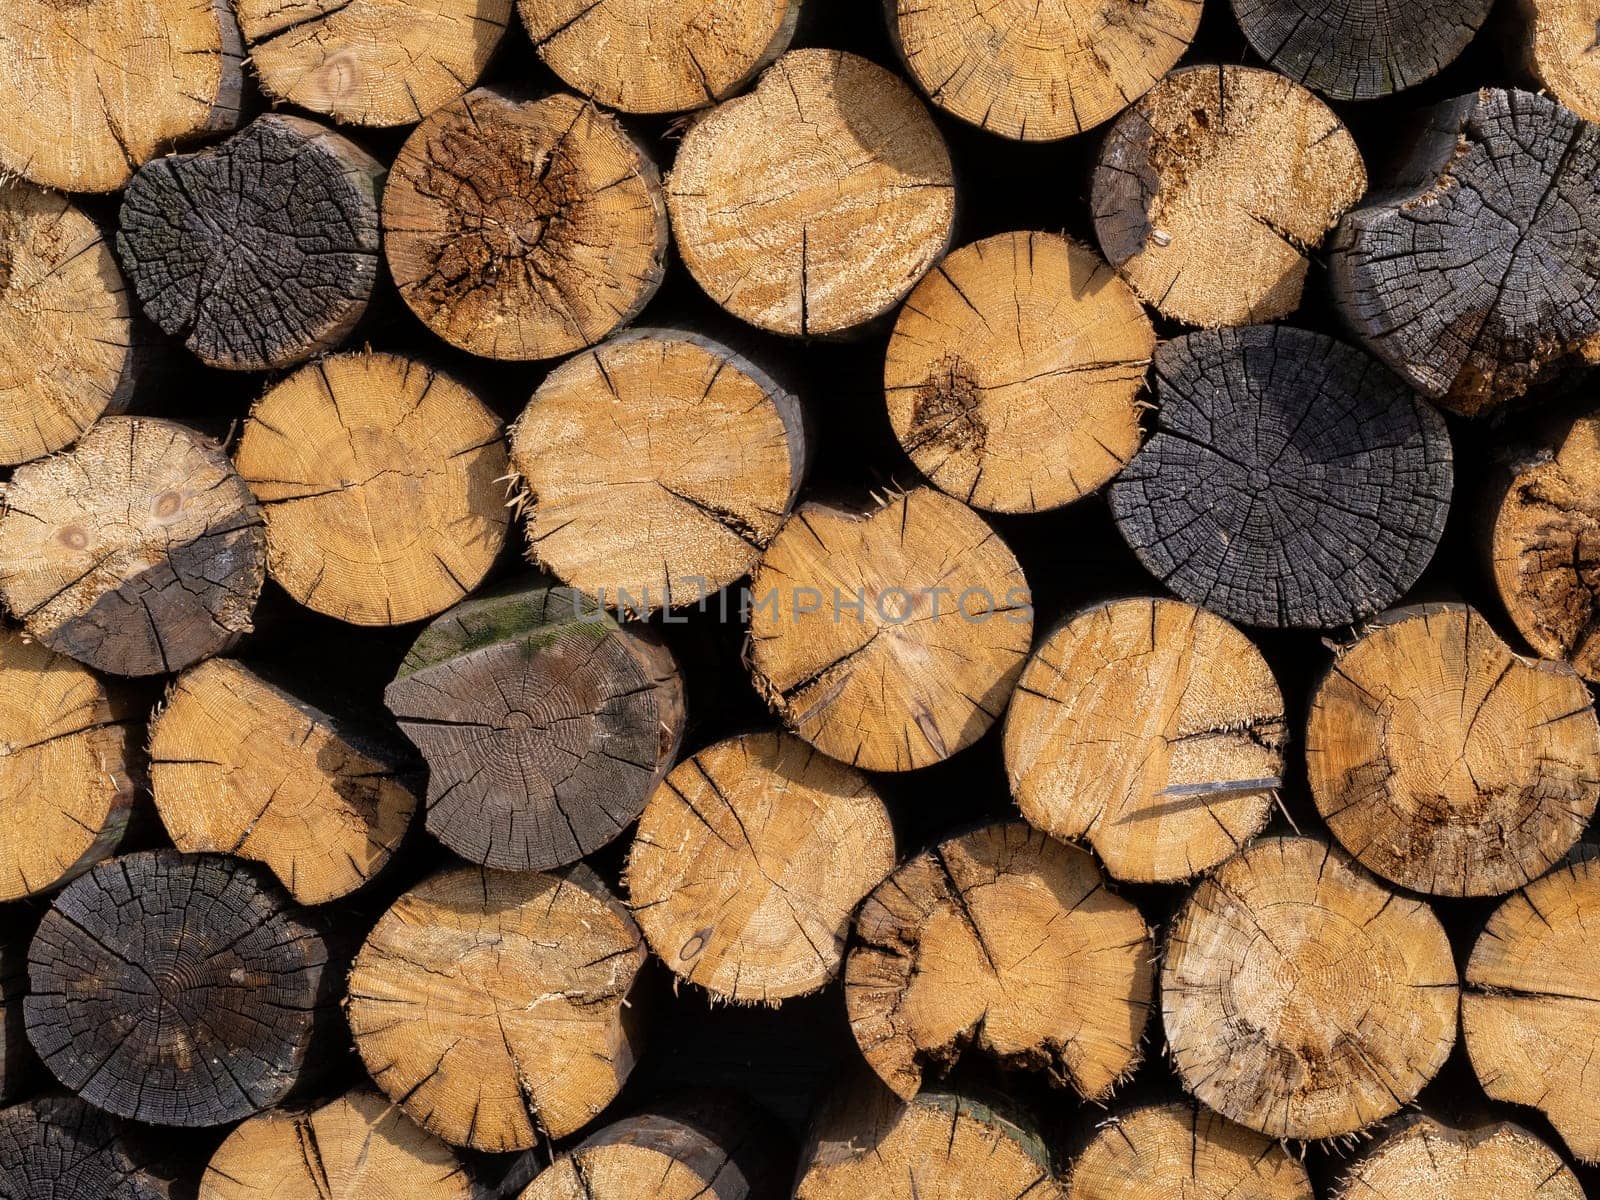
(1423, 1157)
(58, 1148)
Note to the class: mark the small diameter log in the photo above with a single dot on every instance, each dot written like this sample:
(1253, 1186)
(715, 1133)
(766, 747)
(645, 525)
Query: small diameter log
(69, 749)
(494, 1007)
(370, 62)
(1183, 1150)
(92, 89)
(938, 1146)
(1531, 1012)
(1361, 49)
(139, 552)
(1558, 51)
(345, 439)
(1014, 372)
(1425, 1158)
(1039, 71)
(524, 229)
(58, 1148)
(1474, 274)
(1302, 998)
(240, 766)
(259, 252)
(656, 468)
(1290, 481)
(1446, 763)
(544, 723)
(1006, 942)
(812, 204)
(1151, 729)
(749, 860)
(889, 638)
(358, 1147)
(1212, 191)
(16, 1061)
(1546, 548)
(651, 56)
(176, 989)
(67, 344)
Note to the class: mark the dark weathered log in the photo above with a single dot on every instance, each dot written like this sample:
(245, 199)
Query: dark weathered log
(259, 252)
(177, 989)
(58, 1148)
(1475, 273)
(545, 724)
(1290, 481)
(139, 551)
(1422, 1157)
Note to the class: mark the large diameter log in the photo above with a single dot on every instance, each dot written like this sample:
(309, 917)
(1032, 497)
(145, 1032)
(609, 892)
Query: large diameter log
(749, 860)
(1167, 1150)
(240, 766)
(1445, 762)
(69, 765)
(1039, 71)
(370, 62)
(140, 551)
(1014, 370)
(1152, 729)
(1531, 1011)
(68, 350)
(889, 638)
(94, 90)
(16, 1060)
(939, 1146)
(259, 252)
(656, 468)
(1558, 51)
(358, 1147)
(361, 434)
(1422, 1157)
(1546, 547)
(524, 229)
(1475, 274)
(494, 1008)
(1212, 191)
(58, 1148)
(1361, 49)
(176, 989)
(650, 56)
(545, 724)
(812, 204)
(1290, 481)
(1009, 943)
(1302, 998)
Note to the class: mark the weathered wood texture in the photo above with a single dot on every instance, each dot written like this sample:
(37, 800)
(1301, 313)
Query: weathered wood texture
(545, 724)
(17, 1070)
(1422, 1157)
(177, 989)
(1445, 762)
(294, 200)
(1558, 51)
(58, 1148)
(1004, 942)
(1290, 480)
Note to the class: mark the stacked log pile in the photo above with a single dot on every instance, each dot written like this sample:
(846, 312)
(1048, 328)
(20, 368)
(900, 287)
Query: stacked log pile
(799, 600)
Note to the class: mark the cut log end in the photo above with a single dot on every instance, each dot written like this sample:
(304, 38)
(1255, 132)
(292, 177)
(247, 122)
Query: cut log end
(1152, 729)
(523, 230)
(656, 469)
(58, 1148)
(1303, 999)
(1558, 50)
(545, 725)
(1211, 192)
(1445, 762)
(812, 204)
(889, 639)
(1494, 1162)
(1014, 370)
(138, 552)
(176, 989)
(362, 434)
(494, 1008)
(1006, 943)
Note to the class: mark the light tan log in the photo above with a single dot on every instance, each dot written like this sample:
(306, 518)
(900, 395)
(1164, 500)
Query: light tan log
(1005, 942)
(1423, 1157)
(750, 857)
(1445, 762)
(1301, 997)
(1152, 729)
(1014, 371)
(1558, 50)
